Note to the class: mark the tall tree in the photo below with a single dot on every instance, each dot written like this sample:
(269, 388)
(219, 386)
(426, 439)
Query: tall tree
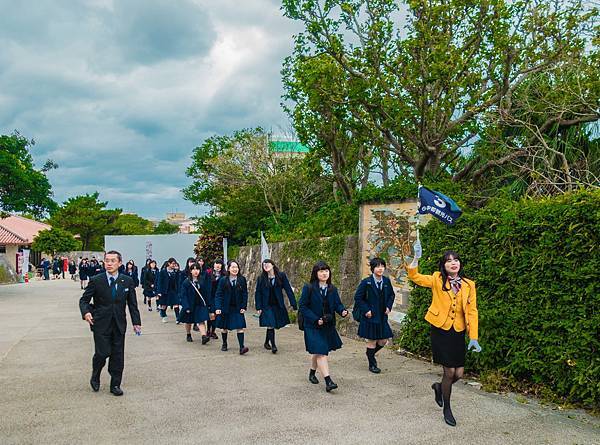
(23, 188)
(87, 217)
(165, 228)
(426, 73)
(54, 241)
(130, 224)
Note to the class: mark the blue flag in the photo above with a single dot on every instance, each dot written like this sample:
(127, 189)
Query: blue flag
(439, 205)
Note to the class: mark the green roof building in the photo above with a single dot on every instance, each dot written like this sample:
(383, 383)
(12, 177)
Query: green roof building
(287, 147)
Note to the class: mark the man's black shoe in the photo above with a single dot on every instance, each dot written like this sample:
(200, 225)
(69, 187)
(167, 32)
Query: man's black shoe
(95, 384)
(116, 391)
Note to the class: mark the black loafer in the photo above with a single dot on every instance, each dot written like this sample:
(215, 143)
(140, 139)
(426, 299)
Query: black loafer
(95, 384)
(274, 349)
(313, 379)
(374, 369)
(224, 348)
(116, 391)
(330, 386)
(189, 338)
(267, 345)
(244, 350)
(437, 388)
(205, 339)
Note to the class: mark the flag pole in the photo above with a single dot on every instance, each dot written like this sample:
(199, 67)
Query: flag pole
(418, 206)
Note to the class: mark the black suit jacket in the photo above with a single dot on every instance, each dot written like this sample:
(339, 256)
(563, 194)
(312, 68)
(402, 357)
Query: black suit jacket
(104, 309)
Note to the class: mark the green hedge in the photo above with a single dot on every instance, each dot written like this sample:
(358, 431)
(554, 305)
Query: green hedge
(537, 268)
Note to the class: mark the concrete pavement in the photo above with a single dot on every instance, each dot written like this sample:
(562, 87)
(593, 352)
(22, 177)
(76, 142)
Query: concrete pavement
(179, 392)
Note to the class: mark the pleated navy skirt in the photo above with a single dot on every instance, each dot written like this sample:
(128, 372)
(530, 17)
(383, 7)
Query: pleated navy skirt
(374, 331)
(321, 341)
(231, 321)
(199, 314)
(274, 317)
(448, 347)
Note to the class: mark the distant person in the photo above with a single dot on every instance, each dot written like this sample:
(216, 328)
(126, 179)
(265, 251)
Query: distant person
(269, 302)
(374, 299)
(319, 303)
(142, 273)
(149, 283)
(72, 269)
(218, 271)
(168, 289)
(231, 302)
(131, 271)
(110, 292)
(45, 265)
(452, 314)
(56, 268)
(65, 266)
(84, 270)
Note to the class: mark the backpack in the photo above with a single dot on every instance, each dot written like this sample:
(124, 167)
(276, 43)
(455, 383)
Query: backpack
(300, 315)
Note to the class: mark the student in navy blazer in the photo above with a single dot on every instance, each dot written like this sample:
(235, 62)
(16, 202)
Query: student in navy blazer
(375, 298)
(218, 271)
(194, 302)
(231, 302)
(269, 301)
(131, 271)
(318, 304)
(167, 289)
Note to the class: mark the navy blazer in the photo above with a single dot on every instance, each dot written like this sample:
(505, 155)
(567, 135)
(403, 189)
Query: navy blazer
(311, 304)
(261, 295)
(367, 299)
(189, 294)
(134, 276)
(225, 293)
(162, 287)
(105, 309)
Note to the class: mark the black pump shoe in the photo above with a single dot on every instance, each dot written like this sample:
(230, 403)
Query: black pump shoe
(267, 345)
(189, 338)
(95, 384)
(448, 417)
(224, 347)
(274, 349)
(437, 388)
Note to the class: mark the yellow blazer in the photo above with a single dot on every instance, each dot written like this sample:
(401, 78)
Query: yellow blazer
(440, 304)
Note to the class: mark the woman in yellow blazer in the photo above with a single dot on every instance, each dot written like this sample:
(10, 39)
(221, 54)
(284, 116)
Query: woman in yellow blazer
(453, 311)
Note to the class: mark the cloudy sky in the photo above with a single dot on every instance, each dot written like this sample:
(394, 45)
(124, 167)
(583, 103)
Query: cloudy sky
(119, 92)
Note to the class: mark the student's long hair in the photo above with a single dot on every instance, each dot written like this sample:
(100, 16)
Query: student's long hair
(194, 265)
(202, 265)
(264, 276)
(186, 271)
(164, 266)
(314, 278)
(449, 254)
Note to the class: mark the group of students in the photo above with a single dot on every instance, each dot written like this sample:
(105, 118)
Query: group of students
(208, 298)
(88, 269)
(59, 267)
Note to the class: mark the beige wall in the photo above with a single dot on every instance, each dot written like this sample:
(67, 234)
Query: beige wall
(389, 231)
(11, 256)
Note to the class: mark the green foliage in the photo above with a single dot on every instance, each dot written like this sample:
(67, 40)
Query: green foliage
(209, 246)
(423, 76)
(87, 217)
(165, 228)
(537, 269)
(23, 188)
(128, 224)
(54, 241)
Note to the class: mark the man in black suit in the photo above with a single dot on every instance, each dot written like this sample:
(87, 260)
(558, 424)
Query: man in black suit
(106, 317)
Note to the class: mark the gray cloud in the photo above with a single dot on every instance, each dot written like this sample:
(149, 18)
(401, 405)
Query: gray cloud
(118, 93)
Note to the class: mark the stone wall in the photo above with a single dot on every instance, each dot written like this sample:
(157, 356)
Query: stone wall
(7, 273)
(296, 259)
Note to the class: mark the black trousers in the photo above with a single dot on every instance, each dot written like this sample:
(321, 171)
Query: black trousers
(111, 345)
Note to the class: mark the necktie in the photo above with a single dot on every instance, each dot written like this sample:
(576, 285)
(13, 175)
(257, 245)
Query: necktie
(233, 283)
(323, 292)
(379, 285)
(113, 288)
(455, 284)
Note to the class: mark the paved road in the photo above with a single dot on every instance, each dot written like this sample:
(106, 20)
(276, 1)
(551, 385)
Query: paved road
(178, 392)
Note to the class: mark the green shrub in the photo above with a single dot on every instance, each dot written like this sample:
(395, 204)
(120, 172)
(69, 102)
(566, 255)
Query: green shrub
(537, 268)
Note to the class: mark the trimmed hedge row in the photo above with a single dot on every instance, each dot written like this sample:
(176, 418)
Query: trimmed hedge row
(537, 269)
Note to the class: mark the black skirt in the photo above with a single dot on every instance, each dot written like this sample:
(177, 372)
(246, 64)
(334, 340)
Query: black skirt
(448, 347)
